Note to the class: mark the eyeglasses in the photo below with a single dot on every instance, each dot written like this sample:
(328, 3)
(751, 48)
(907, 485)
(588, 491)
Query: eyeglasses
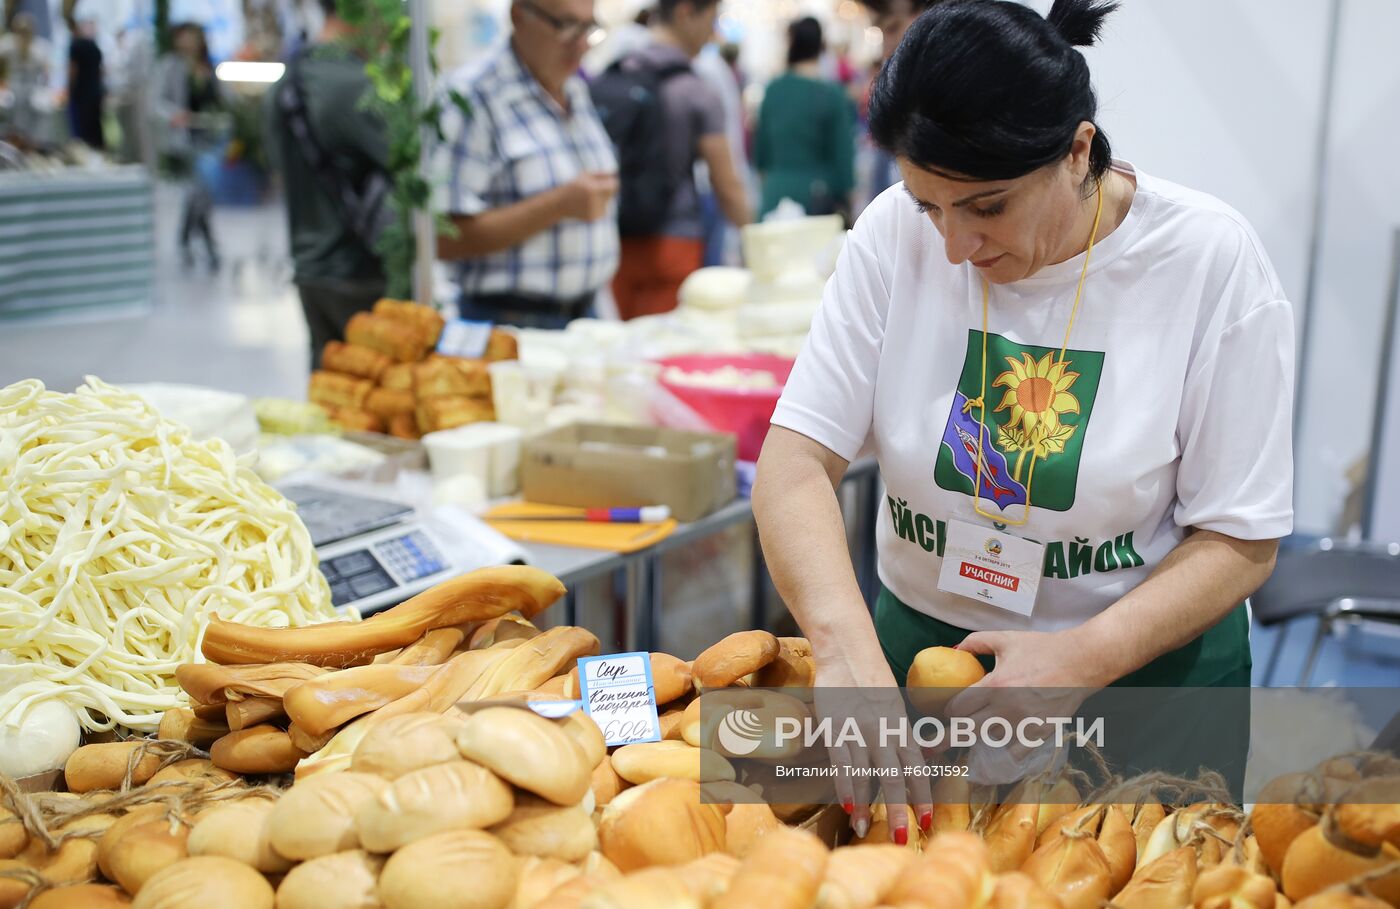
(568, 30)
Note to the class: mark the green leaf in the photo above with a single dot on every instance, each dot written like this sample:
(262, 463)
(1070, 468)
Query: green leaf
(382, 37)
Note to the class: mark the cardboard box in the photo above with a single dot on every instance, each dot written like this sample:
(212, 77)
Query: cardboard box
(591, 465)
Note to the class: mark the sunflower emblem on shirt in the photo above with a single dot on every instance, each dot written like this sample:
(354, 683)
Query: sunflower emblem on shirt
(1037, 396)
(1032, 424)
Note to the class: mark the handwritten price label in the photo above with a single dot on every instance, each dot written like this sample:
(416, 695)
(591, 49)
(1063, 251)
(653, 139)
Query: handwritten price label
(617, 691)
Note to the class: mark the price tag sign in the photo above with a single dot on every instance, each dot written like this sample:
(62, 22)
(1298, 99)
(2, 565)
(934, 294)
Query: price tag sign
(464, 339)
(618, 692)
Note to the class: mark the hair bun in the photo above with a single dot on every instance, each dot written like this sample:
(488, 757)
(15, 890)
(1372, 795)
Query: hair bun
(1079, 21)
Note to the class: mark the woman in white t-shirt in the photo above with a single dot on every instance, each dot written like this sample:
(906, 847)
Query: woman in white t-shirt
(1106, 358)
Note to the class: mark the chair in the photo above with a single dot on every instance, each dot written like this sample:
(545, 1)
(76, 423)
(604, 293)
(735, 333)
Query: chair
(1332, 580)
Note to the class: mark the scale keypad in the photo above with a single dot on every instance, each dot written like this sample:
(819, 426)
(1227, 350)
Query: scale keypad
(411, 556)
(383, 566)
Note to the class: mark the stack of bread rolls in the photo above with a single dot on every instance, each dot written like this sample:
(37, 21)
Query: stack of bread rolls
(386, 378)
(419, 798)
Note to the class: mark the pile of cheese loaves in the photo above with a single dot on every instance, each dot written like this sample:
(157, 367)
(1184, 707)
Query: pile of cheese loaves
(387, 379)
(420, 779)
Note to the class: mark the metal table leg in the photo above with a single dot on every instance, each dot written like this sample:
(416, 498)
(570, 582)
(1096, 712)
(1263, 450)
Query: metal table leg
(634, 574)
(869, 514)
(1280, 635)
(758, 596)
(651, 607)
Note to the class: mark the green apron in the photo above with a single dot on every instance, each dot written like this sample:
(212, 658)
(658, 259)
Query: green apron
(1220, 657)
(1179, 741)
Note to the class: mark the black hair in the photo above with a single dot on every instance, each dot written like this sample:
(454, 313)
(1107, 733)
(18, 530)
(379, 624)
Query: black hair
(990, 90)
(198, 31)
(804, 41)
(666, 9)
(328, 7)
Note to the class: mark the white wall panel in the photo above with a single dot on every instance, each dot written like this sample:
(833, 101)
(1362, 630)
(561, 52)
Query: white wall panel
(1225, 96)
(1362, 208)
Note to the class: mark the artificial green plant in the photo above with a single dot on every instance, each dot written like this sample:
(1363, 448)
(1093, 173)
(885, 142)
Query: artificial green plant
(381, 38)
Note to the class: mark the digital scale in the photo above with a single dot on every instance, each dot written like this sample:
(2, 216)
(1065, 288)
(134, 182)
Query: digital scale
(373, 552)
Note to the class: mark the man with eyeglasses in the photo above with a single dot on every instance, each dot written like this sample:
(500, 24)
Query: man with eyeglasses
(529, 175)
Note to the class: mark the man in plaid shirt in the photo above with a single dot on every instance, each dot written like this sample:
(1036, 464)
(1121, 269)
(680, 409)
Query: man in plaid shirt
(528, 176)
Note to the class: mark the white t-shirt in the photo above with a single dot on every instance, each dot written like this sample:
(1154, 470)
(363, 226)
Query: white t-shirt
(1173, 411)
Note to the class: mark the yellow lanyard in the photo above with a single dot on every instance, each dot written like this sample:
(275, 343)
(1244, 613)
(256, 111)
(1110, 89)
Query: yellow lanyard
(981, 399)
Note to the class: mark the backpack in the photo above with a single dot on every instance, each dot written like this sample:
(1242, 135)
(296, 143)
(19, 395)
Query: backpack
(363, 201)
(627, 97)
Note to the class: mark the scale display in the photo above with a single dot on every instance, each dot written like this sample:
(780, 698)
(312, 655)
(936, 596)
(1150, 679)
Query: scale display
(332, 516)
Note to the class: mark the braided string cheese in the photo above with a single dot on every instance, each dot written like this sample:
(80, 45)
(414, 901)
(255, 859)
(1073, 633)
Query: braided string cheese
(120, 535)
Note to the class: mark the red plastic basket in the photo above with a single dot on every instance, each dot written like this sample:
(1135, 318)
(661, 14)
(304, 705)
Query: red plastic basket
(745, 412)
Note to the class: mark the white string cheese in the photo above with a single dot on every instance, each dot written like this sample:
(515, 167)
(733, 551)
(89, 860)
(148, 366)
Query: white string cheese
(120, 535)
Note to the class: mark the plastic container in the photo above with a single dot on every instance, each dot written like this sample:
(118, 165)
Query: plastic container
(745, 412)
(630, 387)
(523, 395)
(776, 248)
(489, 452)
(208, 412)
(542, 347)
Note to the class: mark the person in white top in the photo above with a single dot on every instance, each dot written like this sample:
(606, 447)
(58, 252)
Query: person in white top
(1077, 379)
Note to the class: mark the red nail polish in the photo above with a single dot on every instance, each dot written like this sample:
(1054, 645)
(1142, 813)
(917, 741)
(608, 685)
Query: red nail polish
(849, 805)
(901, 836)
(926, 821)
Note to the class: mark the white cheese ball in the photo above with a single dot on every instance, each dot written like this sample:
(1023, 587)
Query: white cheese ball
(39, 741)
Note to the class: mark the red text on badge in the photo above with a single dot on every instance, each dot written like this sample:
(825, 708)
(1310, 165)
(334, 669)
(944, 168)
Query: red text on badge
(987, 576)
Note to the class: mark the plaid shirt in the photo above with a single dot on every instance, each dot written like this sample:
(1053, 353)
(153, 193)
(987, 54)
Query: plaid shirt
(516, 143)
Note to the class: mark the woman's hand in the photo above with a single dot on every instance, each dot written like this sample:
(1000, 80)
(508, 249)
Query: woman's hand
(1038, 676)
(808, 556)
(863, 689)
(1040, 659)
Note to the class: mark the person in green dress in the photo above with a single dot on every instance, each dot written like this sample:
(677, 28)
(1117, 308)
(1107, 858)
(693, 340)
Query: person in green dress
(804, 148)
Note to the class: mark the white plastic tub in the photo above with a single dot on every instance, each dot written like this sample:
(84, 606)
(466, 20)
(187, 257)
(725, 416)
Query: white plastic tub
(489, 452)
(523, 395)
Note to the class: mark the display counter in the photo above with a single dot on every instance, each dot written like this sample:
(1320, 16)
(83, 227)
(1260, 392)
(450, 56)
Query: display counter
(76, 240)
